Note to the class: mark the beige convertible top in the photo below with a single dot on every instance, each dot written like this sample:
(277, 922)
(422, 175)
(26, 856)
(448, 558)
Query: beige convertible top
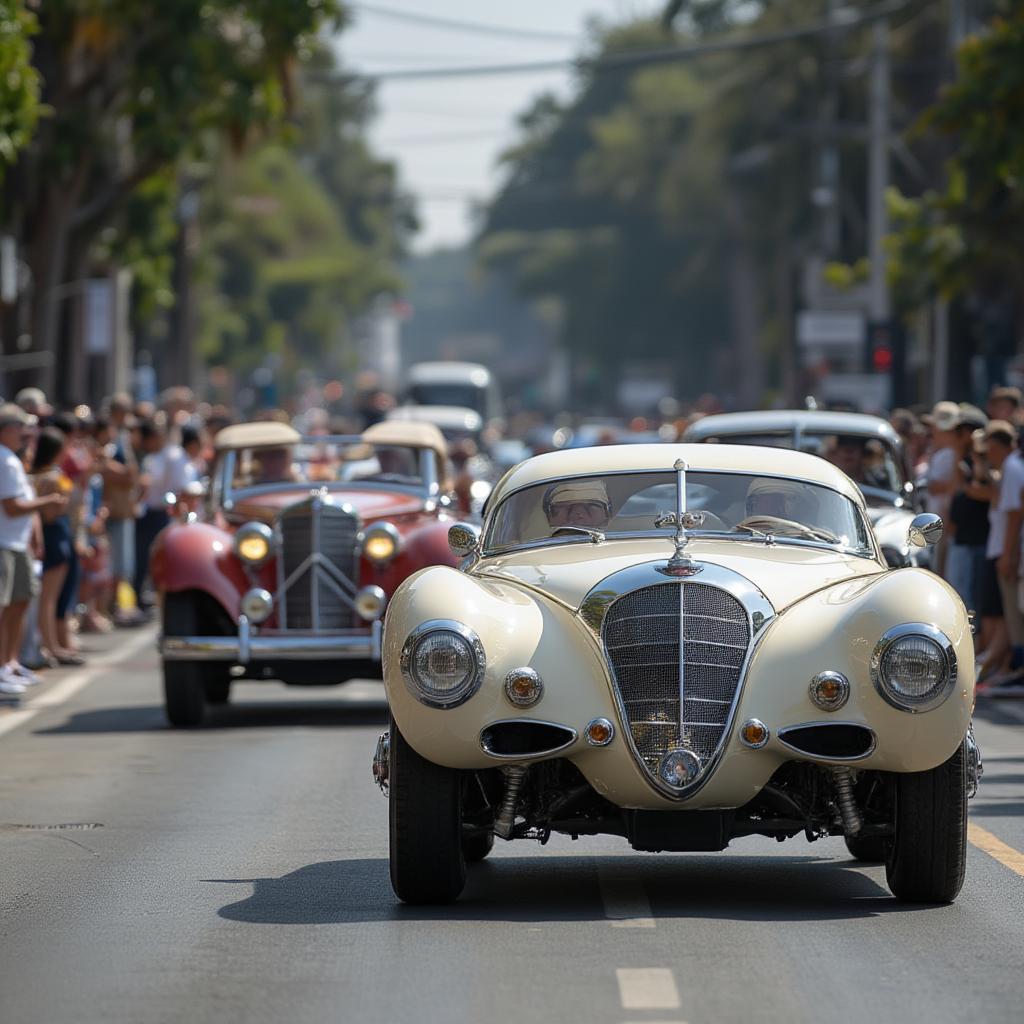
(639, 458)
(410, 433)
(266, 434)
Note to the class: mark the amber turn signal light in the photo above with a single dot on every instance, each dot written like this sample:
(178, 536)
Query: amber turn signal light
(599, 732)
(754, 733)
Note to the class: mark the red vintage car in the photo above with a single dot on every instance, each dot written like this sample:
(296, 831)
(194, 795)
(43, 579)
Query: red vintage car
(287, 572)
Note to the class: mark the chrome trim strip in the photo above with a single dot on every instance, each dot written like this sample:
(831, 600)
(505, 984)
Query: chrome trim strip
(930, 632)
(760, 613)
(527, 721)
(449, 626)
(780, 736)
(277, 648)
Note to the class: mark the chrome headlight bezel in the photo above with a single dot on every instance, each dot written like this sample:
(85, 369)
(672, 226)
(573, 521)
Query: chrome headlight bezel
(944, 647)
(465, 690)
(382, 529)
(247, 532)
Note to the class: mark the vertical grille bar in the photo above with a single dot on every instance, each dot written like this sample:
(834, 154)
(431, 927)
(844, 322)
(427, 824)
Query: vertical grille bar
(676, 652)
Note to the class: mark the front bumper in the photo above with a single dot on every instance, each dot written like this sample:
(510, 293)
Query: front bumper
(246, 647)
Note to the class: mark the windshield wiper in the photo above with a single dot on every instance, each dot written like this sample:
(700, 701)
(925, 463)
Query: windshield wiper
(759, 534)
(595, 535)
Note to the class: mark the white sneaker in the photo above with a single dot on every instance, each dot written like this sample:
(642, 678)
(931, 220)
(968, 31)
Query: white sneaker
(23, 675)
(10, 684)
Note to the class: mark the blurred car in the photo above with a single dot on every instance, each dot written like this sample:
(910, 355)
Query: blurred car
(866, 448)
(453, 383)
(287, 572)
(681, 645)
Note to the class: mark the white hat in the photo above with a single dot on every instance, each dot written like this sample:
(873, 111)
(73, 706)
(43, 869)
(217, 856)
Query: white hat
(946, 415)
(577, 490)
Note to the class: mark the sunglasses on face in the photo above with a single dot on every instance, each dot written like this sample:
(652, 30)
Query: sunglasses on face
(588, 509)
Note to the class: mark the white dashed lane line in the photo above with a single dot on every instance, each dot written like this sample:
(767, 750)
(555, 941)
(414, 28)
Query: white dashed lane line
(625, 902)
(63, 691)
(647, 988)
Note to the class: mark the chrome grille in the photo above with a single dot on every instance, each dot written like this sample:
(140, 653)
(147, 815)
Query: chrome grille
(317, 566)
(643, 632)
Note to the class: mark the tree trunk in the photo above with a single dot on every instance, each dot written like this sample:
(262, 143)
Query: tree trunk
(749, 375)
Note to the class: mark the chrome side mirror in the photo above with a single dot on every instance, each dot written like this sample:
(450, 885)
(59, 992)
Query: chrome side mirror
(925, 530)
(463, 539)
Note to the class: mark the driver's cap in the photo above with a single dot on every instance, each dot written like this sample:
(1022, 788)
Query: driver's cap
(577, 490)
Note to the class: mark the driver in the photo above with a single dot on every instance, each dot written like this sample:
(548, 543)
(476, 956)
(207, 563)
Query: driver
(780, 499)
(273, 466)
(581, 503)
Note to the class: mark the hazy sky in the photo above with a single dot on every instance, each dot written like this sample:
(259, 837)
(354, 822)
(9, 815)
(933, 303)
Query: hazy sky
(446, 134)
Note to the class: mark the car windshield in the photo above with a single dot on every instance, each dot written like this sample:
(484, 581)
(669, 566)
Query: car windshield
(468, 396)
(867, 461)
(739, 504)
(327, 462)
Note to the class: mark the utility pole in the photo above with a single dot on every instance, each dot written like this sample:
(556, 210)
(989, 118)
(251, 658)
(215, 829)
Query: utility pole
(827, 192)
(878, 171)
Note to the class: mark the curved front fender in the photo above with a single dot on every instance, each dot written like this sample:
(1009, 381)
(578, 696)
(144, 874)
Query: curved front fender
(198, 556)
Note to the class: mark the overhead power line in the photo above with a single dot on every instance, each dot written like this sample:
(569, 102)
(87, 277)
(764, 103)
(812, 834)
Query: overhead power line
(470, 27)
(614, 61)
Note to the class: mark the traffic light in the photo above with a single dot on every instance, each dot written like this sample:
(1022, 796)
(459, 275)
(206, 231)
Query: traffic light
(878, 348)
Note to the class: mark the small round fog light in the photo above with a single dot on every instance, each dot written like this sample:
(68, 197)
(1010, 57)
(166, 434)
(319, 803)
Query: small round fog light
(754, 733)
(678, 767)
(829, 690)
(257, 604)
(600, 732)
(523, 687)
(370, 603)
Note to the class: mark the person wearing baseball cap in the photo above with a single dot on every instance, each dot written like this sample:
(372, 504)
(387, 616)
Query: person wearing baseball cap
(582, 503)
(942, 469)
(19, 529)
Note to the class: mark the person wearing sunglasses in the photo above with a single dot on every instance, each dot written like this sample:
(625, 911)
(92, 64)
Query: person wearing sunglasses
(582, 503)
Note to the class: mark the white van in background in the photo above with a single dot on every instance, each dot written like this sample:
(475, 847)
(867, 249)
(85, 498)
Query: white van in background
(469, 385)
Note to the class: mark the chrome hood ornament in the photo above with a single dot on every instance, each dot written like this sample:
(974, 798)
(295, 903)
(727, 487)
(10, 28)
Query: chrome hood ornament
(680, 564)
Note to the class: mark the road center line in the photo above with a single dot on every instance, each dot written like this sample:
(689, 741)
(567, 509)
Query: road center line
(985, 841)
(625, 902)
(647, 988)
(63, 691)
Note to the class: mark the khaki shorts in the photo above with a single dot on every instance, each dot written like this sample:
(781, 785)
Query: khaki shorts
(18, 581)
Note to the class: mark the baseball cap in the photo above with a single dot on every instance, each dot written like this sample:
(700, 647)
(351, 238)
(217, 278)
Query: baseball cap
(971, 416)
(946, 415)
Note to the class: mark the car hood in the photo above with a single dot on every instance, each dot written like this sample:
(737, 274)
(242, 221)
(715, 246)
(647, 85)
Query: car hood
(369, 504)
(785, 573)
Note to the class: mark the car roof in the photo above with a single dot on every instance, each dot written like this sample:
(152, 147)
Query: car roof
(470, 373)
(793, 420)
(263, 434)
(641, 458)
(451, 417)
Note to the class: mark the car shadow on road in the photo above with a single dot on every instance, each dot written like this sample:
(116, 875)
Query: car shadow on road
(150, 718)
(557, 888)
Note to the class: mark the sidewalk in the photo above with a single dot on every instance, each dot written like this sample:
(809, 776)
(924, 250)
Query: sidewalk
(99, 650)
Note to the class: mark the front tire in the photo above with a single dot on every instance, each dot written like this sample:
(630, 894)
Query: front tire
(184, 691)
(425, 818)
(928, 855)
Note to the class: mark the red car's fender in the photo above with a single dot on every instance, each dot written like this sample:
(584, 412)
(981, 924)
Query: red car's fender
(199, 556)
(424, 544)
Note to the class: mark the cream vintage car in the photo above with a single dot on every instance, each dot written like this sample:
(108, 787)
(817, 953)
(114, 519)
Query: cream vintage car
(680, 645)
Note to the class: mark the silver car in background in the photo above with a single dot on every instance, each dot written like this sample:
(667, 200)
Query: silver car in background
(866, 448)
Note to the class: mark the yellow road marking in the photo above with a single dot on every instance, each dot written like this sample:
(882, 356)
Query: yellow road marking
(1006, 855)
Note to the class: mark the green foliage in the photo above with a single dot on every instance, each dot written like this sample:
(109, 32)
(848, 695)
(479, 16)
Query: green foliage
(19, 81)
(969, 234)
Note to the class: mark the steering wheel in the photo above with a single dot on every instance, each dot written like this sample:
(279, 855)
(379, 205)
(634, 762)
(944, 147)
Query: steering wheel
(776, 524)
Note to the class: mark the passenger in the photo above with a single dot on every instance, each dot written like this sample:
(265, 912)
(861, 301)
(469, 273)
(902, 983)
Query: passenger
(582, 503)
(274, 466)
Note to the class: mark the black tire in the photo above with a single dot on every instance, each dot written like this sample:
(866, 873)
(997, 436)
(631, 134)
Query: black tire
(184, 689)
(217, 691)
(475, 847)
(870, 849)
(425, 818)
(928, 855)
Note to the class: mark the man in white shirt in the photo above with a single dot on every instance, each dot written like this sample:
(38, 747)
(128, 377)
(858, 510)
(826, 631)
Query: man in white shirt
(18, 527)
(166, 469)
(942, 469)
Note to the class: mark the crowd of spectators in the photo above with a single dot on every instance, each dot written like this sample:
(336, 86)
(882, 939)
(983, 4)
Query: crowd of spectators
(83, 494)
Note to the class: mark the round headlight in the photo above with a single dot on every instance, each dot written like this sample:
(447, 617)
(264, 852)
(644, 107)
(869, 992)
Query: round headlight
(380, 543)
(443, 663)
(370, 603)
(257, 604)
(253, 543)
(913, 667)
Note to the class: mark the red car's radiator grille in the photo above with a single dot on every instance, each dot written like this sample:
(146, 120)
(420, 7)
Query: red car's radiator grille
(317, 566)
(677, 652)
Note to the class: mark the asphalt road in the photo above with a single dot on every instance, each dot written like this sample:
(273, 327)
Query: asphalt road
(239, 873)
